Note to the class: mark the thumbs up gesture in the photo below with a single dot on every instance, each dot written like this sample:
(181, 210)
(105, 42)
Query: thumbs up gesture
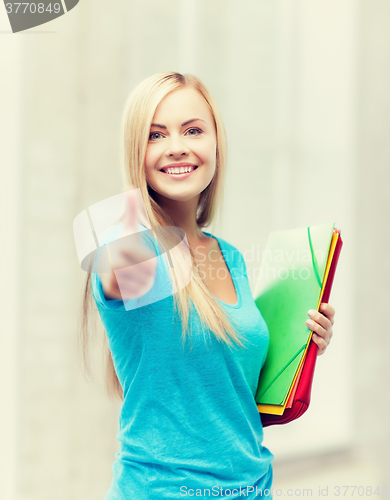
(133, 263)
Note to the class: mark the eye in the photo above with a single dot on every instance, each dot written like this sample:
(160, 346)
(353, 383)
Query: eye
(152, 134)
(196, 130)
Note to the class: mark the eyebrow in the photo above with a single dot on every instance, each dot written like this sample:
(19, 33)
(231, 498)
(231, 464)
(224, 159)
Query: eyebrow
(183, 124)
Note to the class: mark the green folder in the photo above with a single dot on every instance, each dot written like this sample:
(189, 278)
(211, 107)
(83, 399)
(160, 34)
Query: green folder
(291, 276)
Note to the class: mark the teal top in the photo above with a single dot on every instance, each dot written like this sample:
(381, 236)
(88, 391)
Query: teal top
(189, 424)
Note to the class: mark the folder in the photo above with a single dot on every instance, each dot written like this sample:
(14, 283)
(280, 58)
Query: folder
(296, 275)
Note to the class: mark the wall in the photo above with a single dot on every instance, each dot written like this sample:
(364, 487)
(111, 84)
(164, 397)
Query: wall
(303, 89)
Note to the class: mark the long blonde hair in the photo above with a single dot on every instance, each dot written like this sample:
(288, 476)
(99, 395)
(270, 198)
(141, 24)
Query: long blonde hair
(138, 114)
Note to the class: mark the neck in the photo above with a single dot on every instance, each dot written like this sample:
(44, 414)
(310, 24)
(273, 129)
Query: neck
(183, 214)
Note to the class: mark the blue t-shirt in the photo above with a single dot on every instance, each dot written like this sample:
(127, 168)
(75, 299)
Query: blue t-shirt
(189, 425)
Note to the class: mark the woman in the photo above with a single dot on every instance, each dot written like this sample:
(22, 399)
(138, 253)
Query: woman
(189, 424)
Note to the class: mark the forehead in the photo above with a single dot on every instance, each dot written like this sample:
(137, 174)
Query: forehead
(181, 104)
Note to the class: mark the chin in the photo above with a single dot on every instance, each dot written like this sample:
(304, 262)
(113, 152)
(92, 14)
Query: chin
(179, 194)
(180, 197)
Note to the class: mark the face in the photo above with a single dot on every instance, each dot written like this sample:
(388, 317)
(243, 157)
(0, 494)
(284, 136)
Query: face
(180, 159)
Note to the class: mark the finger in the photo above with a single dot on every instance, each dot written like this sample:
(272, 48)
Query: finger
(328, 310)
(317, 328)
(133, 282)
(320, 343)
(143, 257)
(320, 318)
(136, 281)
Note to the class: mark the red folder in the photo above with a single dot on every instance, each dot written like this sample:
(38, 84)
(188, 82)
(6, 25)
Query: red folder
(302, 391)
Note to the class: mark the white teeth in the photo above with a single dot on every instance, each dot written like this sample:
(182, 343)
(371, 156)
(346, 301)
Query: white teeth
(179, 170)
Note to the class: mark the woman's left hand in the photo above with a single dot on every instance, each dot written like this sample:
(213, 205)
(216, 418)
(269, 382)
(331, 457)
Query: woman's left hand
(321, 324)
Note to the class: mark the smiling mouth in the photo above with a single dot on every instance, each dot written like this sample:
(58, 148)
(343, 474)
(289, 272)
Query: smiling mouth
(178, 171)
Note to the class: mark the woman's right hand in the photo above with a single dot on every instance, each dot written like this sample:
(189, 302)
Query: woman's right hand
(133, 265)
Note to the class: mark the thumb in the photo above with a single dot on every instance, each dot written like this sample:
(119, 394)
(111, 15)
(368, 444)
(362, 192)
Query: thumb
(131, 216)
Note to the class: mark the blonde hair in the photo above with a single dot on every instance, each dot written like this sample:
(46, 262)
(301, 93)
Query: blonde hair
(138, 114)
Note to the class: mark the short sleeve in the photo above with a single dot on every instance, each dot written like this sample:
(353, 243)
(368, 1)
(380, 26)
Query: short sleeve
(241, 264)
(238, 266)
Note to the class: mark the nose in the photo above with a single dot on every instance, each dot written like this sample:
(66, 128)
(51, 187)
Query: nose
(176, 146)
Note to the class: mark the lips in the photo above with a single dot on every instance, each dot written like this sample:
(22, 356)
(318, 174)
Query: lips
(177, 165)
(174, 172)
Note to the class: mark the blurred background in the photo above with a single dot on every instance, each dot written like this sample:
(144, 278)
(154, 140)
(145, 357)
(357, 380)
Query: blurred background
(303, 88)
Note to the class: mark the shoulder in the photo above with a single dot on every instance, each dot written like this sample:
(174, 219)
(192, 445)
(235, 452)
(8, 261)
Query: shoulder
(232, 255)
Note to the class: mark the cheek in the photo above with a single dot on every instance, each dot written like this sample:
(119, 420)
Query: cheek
(209, 153)
(149, 168)
(150, 162)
